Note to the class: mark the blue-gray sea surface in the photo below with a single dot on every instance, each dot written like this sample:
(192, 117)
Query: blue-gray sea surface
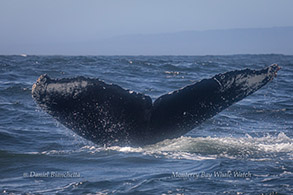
(246, 149)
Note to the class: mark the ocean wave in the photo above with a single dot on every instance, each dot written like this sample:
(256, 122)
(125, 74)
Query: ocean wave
(202, 148)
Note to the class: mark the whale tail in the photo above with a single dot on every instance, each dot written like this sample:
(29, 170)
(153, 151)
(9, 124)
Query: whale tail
(107, 114)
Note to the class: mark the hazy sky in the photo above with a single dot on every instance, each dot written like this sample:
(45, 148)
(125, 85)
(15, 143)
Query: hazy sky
(41, 21)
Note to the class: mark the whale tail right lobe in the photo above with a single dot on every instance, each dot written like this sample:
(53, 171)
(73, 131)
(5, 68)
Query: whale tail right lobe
(176, 113)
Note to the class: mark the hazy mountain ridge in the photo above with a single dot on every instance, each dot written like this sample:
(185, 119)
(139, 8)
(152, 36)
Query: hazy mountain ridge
(234, 41)
(211, 42)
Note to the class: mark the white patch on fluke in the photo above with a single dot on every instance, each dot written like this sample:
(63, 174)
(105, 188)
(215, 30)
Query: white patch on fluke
(247, 83)
(218, 82)
(250, 83)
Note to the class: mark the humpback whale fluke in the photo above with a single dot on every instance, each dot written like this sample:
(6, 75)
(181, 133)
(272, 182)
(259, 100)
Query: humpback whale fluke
(108, 114)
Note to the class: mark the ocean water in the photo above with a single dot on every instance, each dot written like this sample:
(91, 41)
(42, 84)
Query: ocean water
(246, 149)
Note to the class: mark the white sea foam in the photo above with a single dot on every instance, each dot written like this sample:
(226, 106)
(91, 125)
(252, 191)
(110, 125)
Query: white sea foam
(202, 148)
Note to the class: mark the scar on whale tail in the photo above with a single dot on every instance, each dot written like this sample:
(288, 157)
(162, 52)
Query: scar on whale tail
(107, 114)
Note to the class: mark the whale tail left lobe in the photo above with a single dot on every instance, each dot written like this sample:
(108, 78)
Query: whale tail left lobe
(100, 112)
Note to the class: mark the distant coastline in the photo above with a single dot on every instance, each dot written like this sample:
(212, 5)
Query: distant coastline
(275, 40)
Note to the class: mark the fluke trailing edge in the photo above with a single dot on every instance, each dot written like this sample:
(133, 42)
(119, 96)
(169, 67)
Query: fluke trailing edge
(108, 114)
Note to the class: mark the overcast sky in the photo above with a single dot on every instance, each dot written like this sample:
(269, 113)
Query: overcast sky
(42, 21)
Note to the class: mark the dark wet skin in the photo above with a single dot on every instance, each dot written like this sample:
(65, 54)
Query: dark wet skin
(107, 114)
